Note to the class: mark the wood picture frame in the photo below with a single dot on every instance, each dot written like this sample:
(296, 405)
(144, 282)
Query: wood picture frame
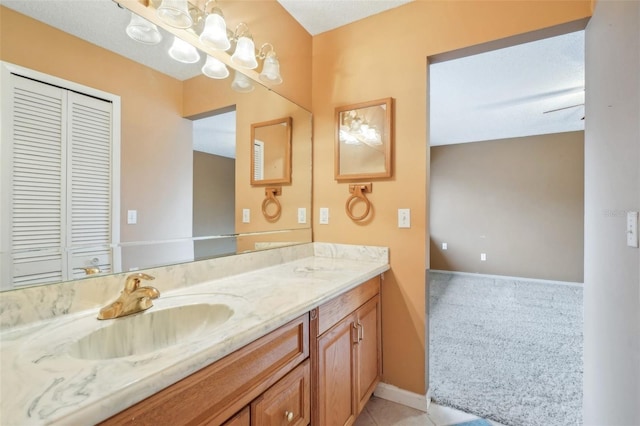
(364, 140)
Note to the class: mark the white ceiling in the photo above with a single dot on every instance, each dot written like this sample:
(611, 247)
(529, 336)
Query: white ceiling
(494, 95)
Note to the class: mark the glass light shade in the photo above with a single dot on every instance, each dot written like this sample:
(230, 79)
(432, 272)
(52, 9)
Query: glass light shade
(245, 55)
(175, 13)
(271, 70)
(215, 33)
(215, 68)
(182, 51)
(241, 83)
(143, 31)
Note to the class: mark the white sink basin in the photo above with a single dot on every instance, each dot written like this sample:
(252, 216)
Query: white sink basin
(157, 328)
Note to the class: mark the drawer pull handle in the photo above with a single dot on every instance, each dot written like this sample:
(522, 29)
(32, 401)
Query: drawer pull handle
(288, 415)
(355, 338)
(360, 332)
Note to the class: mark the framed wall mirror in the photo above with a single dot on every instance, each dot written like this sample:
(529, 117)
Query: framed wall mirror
(364, 140)
(271, 152)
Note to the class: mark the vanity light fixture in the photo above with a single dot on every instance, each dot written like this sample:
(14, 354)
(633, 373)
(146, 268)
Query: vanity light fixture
(214, 33)
(241, 83)
(245, 52)
(215, 68)
(271, 66)
(143, 31)
(209, 25)
(184, 52)
(175, 13)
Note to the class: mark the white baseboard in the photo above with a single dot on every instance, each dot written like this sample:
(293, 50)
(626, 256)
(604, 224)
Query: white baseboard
(401, 396)
(505, 277)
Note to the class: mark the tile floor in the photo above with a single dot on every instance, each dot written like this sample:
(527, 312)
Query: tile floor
(380, 412)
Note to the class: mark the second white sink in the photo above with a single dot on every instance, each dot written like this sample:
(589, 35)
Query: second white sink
(152, 330)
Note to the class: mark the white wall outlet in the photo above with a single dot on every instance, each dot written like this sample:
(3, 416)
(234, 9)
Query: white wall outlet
(483, 257)
(302, 215)
(632, 229)
(246, 216)
(404, 218)
(324, 216)
(132, 217)
(444, 246)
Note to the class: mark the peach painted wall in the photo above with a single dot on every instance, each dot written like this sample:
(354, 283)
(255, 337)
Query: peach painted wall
(520, 201)
(386, 56)
(156, 151)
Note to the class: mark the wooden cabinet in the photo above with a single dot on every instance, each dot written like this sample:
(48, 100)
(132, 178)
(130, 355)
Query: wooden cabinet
(346, 354)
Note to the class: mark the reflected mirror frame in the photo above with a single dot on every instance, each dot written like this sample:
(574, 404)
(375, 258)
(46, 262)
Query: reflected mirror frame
(387, 136)
(286, 175)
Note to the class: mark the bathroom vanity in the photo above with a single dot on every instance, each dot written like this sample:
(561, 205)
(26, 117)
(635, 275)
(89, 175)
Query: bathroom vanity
(299, 343)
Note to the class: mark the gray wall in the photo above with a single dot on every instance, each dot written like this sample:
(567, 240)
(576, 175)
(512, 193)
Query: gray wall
(213, 203)
(520, 201)
(612, 187)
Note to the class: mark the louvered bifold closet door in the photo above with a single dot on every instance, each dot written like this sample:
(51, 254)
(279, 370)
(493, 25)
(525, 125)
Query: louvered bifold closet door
(89, 182)
(38, 132)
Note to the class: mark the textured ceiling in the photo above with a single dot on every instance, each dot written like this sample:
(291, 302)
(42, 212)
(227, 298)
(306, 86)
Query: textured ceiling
(510, 92)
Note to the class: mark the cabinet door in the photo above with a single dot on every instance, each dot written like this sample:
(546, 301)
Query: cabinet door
(288, 402)
(368, 351)
(336, 374)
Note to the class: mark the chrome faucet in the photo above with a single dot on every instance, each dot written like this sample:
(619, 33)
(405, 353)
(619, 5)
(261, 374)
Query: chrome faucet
(132, 299)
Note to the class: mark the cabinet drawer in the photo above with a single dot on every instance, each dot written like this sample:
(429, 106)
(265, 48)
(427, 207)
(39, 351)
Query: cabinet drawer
(288, 402)
(215, 393)
(243, 418)
(333, 311)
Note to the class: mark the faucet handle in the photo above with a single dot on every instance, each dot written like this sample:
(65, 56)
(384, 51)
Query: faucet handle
(133, 281)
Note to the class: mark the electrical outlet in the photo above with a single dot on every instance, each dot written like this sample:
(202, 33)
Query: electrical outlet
(246, 216)
(324, 216)
(483, 257)
(444, 246)
(404, 218)
(302, 215)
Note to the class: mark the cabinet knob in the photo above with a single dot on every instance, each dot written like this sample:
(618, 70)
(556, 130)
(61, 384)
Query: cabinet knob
(288, 415)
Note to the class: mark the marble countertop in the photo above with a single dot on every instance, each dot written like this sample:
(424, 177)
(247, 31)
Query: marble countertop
(41, 383)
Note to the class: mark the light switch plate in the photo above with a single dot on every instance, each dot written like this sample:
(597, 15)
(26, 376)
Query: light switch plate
(132, 217)
(324, 215)
(246, 216)
(632, 229)
(404, 218)
(302, 215)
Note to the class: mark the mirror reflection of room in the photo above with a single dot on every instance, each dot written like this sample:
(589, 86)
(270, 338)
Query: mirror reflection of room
(156, 219)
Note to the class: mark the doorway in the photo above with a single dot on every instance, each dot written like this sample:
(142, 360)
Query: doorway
(507, 237)
(214, 165)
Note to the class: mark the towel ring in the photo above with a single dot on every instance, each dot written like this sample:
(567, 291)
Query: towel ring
(357, 195)
(270, 198)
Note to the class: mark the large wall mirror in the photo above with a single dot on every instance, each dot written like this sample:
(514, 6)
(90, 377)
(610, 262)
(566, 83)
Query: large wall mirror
(181, 195)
